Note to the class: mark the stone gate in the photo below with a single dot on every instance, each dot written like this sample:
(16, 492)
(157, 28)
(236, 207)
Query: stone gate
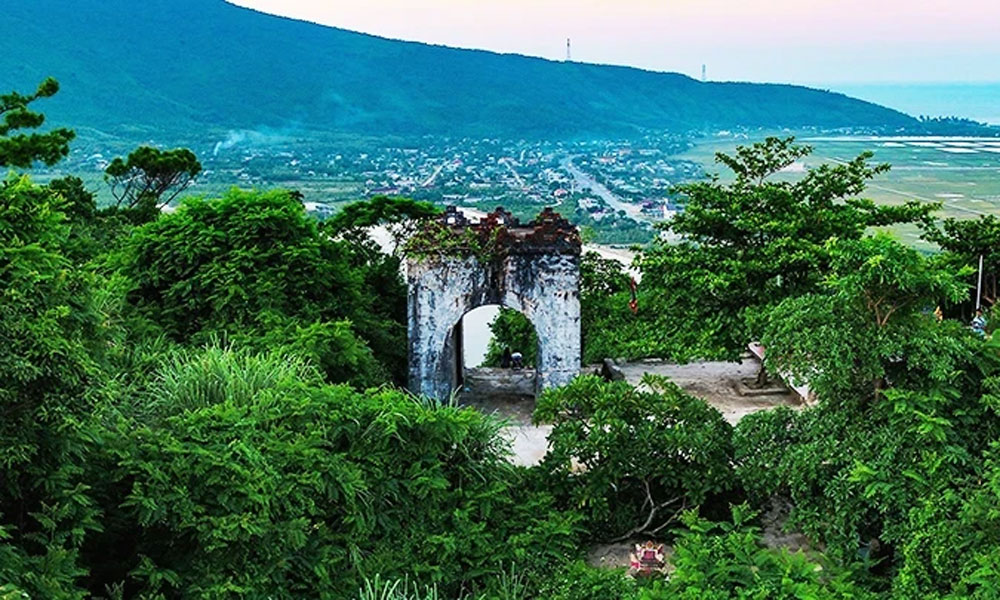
(456, 266)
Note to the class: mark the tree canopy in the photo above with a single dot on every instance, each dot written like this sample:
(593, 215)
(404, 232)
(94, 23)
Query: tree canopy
(872, 324)
(18, 149)
(754, 242)
(964, 242)
(151, 176)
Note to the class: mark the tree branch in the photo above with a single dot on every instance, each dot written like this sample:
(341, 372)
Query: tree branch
(652, 515)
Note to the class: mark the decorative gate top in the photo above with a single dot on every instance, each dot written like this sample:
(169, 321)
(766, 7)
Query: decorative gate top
(499, 233)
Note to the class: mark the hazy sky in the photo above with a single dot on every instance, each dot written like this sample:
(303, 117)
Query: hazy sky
(795, 41)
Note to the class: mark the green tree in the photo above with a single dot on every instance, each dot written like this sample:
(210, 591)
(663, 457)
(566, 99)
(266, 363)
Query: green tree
(239, 265)
(752, 243)
(24, 149)
(606, 321)
(633, 458)
(50, 344)
(150, 178)
(511, 330)
(963, 242)
(871, 326)
(399, 216)
(903, 414)
(381, 270)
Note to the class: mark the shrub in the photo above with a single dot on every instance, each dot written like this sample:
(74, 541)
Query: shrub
(723, 561)
(255, 480)
(855, 467)
(49, 357)
(630, 458)
(577, 581)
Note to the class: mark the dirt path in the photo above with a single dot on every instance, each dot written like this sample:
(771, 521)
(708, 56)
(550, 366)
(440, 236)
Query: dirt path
(715, 382)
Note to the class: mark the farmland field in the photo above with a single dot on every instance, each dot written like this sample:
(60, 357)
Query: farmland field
(960, 173)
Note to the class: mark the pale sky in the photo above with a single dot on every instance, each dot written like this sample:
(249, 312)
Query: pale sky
(791, 41)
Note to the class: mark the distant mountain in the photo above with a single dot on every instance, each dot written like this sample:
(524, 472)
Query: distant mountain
(156, 65)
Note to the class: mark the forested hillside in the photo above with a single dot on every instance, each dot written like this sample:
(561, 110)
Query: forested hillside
(135, 67)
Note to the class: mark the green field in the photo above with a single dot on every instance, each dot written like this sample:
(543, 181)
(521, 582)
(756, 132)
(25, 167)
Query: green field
(963, 174)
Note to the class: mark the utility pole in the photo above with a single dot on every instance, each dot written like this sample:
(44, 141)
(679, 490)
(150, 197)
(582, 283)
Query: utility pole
(979, 285)
(569, 55)
(704, 72)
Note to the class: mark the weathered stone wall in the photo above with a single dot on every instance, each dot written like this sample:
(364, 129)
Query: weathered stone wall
(544, 287)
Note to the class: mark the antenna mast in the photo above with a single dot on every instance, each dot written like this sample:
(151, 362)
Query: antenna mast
(569, 55)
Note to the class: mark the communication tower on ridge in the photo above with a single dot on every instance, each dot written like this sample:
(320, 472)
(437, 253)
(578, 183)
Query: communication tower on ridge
(703, 73)
(569, 55)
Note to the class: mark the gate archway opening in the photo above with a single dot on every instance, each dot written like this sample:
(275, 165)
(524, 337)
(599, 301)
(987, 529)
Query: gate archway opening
(497, 354)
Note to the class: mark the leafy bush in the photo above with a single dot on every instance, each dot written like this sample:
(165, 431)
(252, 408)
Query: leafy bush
(722, 561)
(215, 264)
(953, 550)
(333, 347)
(577, 581)
(49, 357)
(630, 458)
(254, 479)
(870, 327)
(855, 467)
(253, 266)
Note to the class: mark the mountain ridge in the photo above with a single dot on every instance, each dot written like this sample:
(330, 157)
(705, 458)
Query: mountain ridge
(182, 64)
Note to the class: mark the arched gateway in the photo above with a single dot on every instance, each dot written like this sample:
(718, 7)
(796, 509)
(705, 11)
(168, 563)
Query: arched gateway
(455, 266)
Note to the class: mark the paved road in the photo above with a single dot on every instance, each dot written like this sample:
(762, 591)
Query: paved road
(586, 180)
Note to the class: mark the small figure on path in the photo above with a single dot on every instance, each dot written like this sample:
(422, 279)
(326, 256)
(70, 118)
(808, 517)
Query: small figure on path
(505, 359)
(517, 359)
(978, 324)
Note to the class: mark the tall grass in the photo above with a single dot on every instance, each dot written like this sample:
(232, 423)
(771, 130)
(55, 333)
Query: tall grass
(219, 374)
(508, 585)
(396, 589)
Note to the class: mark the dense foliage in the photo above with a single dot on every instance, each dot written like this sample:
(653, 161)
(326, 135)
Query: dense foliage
(195, 407)
(870, 326)
(277, 486)
(605, 292)
(50, 345)
(906, 425)
(723, 561)
(633, 459)
(254, 267)
(746, 245)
